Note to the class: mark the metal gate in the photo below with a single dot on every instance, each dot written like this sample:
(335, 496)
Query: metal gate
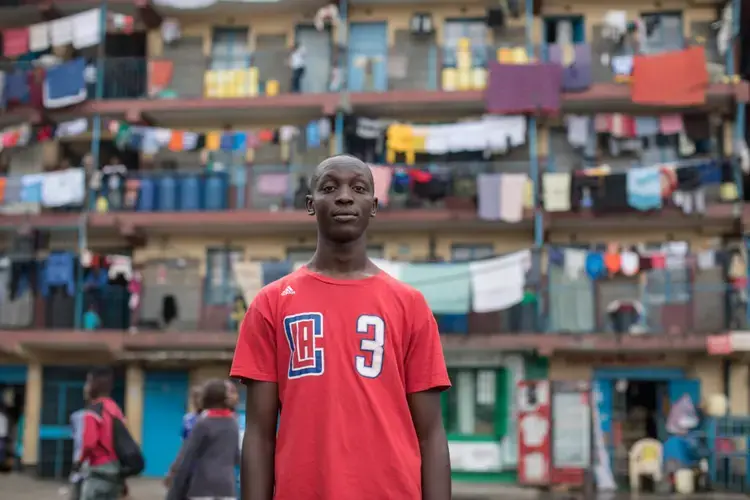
(728, 441)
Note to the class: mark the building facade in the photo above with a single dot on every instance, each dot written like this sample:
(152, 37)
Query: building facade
(150, 147)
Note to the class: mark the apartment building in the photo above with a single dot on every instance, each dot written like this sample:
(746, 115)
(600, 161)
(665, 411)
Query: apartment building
(563, 181)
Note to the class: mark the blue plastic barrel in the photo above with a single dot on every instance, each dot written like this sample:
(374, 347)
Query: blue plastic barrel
(190, 194)
(147, 196)
(167, 194)
(216, 191)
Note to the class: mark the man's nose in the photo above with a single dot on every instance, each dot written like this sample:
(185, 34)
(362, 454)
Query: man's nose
(344, 195)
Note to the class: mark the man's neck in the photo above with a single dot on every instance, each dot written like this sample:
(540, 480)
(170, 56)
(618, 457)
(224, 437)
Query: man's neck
(340, 258)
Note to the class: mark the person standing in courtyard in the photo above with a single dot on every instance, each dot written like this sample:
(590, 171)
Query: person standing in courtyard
(206, 468)
(352, 359)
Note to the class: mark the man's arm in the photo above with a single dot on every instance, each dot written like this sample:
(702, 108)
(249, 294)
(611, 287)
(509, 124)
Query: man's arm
(255, 364)
(90, 422)
(426, 378)
(426, 413)
(259, 442)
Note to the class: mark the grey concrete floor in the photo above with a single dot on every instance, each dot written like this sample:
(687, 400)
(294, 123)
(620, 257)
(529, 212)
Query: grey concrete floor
(19, 487)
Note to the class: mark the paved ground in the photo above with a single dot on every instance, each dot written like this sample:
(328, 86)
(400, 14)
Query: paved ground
(17, 487)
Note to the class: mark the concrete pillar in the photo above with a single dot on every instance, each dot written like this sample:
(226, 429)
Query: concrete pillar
(738, 391)
(134, 382)
(32, 415)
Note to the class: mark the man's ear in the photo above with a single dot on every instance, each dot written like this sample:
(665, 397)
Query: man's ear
(309, 205)
(374, 208)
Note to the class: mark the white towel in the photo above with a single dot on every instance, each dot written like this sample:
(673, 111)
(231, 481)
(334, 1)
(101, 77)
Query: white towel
(61, 31)
(38, 37)
(556, 192)
(575, 262)
(64, 188)
(87, 29)
(512, 191)
(497, 284)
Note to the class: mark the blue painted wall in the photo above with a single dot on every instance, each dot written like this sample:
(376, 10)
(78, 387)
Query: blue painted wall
(164, 404)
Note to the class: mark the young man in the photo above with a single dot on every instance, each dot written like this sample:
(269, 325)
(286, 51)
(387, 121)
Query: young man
(102, 481)
(353, 359)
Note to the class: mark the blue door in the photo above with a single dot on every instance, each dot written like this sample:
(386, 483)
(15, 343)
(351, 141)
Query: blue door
(13, 375)
(164, 404)
(680, 387)
(368, 57)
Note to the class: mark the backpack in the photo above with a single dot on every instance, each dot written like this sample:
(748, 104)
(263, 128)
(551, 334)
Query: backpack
(128, 452)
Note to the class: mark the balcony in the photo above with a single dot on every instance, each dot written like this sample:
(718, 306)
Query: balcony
(689, 297)
(283, 187)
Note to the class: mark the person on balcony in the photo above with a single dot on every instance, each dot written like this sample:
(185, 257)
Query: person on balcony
(297, 63)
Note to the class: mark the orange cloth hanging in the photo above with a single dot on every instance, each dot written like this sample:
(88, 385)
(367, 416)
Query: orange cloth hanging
(177, 140)
(678, 78)
(159, 76)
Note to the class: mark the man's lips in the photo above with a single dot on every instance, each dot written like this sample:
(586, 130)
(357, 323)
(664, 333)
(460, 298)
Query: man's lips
(344, 217)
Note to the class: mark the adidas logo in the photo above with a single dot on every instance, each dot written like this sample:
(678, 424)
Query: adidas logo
(288, 291)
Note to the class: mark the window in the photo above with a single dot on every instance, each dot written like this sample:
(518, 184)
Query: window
(564, 30)
(229, 49)
(472, 406)
(663, 33)
(221, 286)
(304, 254)
(475, 30)
(461, 253)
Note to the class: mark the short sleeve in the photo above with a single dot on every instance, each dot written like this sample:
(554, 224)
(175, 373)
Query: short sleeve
(255, 354)
(425, 363)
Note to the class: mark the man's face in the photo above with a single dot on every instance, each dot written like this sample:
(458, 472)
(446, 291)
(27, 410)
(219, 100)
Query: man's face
(343, 201)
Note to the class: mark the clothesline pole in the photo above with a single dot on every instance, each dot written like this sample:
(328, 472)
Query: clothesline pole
(82, 237)
(95, 153)
(342, 55)
(533, 155)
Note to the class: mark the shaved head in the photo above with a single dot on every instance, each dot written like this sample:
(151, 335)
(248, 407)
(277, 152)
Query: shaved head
(341, 161)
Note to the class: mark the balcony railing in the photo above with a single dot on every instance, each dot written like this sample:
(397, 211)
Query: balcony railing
(178, 295)
(274, 187)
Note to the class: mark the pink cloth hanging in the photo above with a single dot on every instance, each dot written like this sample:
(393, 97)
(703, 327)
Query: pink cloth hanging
(15, 42)
(382, 177)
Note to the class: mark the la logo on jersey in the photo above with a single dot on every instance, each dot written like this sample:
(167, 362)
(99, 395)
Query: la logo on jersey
(303, 332)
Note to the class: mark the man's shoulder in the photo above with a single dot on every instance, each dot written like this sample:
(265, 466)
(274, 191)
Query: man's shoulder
(397, 288)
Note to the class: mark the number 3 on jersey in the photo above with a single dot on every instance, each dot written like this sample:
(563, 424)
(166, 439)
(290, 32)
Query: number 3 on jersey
(370, 363)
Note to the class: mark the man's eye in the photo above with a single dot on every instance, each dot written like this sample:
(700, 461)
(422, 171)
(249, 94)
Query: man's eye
(328, 189)
(360, 189)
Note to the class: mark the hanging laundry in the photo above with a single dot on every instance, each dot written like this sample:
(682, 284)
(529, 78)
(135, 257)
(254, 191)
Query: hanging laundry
(611, 194)
(382, 177)
(574, 262)
(65, 85)
(576, 68)
(59, 271)
(556, 191)
(64, 188)
(445, 287)
(39, 37)
(579, 130)
(498, 284)
(160, 73)
(87, 28)
(595, 267)
(629, 263)
(644, 188)
(511, 197)
(15, 42)
(249, 279)
(394, 269)
(488, 196)
(61, 32)
(646, 126)
(72, 128)
(519, 88)
(677, 78)
(170, 30)
(670, 124)
(273, 184)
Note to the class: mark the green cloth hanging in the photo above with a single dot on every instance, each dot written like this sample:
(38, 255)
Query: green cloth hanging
(444, 286)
